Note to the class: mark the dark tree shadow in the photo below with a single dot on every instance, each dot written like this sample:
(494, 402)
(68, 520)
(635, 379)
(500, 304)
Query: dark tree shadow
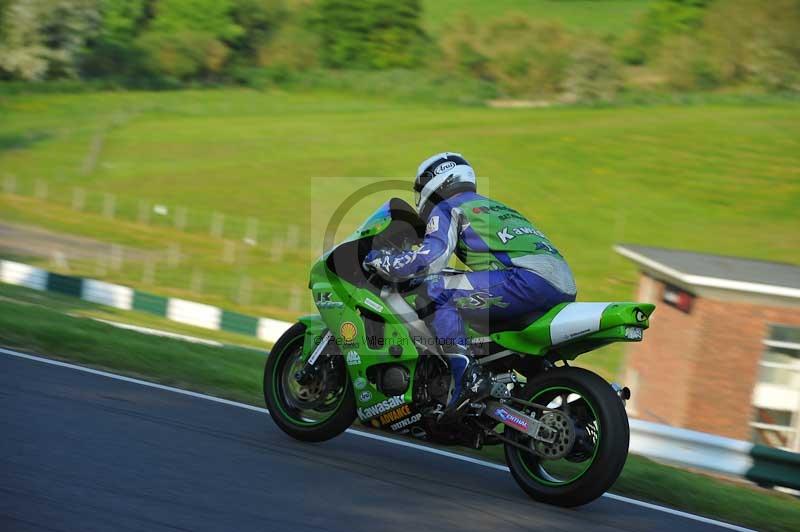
(19, 141)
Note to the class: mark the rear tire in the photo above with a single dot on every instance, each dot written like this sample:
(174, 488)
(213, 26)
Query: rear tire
(610, 449)
(339, 415)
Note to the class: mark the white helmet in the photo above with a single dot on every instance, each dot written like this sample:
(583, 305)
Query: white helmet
(439, 177)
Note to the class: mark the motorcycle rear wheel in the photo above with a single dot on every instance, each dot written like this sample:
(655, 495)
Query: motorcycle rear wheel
(316, 411)
(589, 462)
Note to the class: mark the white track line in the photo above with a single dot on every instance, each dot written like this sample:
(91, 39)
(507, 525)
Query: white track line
(354, 432)
(159, 332)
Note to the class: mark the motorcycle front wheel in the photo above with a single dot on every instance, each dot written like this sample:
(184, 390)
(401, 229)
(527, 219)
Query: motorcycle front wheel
(591, 443)
(316, 410)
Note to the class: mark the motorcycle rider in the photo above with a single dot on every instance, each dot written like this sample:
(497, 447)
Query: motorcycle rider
(515, 268)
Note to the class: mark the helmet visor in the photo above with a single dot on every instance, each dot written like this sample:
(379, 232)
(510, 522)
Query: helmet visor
(419, 184)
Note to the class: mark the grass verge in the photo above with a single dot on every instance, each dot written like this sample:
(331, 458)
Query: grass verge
(80, 308)
(230, 372)
(236, 374)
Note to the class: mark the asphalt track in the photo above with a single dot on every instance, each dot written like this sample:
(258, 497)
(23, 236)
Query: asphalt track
(85, 452)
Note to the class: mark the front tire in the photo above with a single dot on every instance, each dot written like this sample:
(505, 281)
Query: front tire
(593, 460)
(317, 411)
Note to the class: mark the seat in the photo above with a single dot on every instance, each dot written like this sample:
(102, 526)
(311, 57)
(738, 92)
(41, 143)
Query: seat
(565, 321)
(515, 323)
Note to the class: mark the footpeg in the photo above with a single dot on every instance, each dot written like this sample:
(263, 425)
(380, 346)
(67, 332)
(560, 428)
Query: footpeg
(505, 378)
(500, 391)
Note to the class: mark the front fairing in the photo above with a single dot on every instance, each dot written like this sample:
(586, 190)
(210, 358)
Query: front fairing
(366, 331)
(339, 272)
(393, 210)
(376, 223)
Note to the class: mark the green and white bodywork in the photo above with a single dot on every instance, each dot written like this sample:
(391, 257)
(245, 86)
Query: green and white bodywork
(368, 355)
(373, 327)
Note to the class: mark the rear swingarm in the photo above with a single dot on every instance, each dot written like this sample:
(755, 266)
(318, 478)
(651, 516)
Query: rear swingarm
(528, 425)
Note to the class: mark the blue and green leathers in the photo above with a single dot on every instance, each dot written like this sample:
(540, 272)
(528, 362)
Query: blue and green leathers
(516, 269)
(485, 235)
(490, 238)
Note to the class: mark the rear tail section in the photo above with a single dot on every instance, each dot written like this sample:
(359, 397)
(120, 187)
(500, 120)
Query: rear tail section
(570, 329)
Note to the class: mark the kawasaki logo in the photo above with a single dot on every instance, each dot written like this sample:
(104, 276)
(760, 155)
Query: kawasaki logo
(506, 234)
(380, 408)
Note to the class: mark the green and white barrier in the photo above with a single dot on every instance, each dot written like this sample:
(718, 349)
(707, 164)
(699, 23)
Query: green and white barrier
(763, 465)
(774, 467)
(192, 313)
(126, 298)
(23, 275)
(112, 295)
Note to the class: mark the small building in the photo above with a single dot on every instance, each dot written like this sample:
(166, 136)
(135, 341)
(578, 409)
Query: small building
(722, 354)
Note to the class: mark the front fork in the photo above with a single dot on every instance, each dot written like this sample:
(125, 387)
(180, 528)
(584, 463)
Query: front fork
(309, 370)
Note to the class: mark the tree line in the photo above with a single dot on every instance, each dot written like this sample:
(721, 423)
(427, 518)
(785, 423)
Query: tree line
(677, 44)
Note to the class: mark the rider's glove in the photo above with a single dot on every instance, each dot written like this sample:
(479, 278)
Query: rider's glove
(377, 260)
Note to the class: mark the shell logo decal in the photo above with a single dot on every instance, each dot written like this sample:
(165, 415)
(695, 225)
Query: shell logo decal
(348, 331)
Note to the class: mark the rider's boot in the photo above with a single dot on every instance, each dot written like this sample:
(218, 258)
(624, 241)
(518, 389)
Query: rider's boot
(470, 382)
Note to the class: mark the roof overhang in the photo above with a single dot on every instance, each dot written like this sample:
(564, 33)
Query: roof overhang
(706, 282)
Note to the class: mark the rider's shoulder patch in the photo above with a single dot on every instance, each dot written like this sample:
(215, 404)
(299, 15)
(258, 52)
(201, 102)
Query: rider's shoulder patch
(433, 225)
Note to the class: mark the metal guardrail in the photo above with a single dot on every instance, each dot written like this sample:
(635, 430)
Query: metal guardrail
(690, 448)
(763, 465)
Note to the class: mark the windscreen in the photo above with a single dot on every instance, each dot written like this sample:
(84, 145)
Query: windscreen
(394, 225)
(377, 220)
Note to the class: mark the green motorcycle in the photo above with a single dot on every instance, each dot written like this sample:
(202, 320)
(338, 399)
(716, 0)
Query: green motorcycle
(369, 355)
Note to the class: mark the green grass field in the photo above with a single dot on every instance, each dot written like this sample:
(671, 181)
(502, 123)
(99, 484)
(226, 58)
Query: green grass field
(719, 178)
(603, 16)
(35, 322)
